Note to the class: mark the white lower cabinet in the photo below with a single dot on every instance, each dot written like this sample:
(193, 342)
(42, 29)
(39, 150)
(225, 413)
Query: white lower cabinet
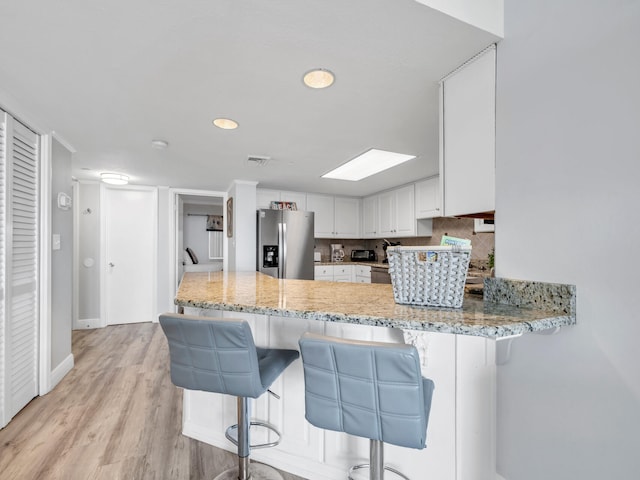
(362, 273)
(333, 273)
(323, 273)
(343, 273)
(461, 431)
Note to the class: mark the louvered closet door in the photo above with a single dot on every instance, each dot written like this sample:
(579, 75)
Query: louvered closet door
(21, 267)
(4, 418)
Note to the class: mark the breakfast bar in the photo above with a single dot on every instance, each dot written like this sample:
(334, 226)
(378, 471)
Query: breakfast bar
(457, 348)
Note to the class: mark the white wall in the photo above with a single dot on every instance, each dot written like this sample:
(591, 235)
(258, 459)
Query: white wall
(196, 235)
(165, 283)
(242, 245)
(62, 259)
(484, 14)
(567, 207)
(88, 255)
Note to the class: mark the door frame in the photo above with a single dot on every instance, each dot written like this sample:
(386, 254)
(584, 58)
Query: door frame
(103, 248)
(44, 282)
(174, 255)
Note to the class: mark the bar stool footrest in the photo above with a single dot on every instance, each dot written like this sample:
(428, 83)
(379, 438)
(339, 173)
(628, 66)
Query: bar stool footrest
(232, 434)
(257, 471)
(367, 466)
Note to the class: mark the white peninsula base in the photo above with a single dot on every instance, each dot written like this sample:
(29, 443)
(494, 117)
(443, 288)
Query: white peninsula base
(461, 432)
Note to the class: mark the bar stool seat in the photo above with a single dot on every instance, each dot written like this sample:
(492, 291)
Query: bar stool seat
(219, 356)
(369, 389)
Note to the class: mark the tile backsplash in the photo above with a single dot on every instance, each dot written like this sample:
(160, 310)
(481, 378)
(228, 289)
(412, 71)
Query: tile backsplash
(482, 243)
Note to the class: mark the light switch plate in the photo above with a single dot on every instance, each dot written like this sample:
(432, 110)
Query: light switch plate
(55, 242)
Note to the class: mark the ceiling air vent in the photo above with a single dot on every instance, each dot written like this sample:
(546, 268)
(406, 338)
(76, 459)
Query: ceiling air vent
(257, 161)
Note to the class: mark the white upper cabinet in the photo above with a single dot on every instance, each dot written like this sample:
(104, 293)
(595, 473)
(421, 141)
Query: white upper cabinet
(405, 211)
(264, 197)
(322, 206)
(428, 198)
(467, 137)
(370, 217)
(335, 217)
(396, 212)
(347, 217)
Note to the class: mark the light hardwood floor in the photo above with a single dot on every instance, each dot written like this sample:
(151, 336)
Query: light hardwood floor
(116, 415)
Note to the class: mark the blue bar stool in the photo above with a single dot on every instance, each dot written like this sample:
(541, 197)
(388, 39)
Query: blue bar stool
(368, 389)
(218, 355)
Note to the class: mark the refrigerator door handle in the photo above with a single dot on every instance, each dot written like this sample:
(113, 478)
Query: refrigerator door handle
(280, 250)
(283, 242)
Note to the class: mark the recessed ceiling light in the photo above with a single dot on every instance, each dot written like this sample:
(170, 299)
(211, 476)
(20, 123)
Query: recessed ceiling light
(114, 178)
(369, 163)
(159, 144)
(318, 78)
(225, 123)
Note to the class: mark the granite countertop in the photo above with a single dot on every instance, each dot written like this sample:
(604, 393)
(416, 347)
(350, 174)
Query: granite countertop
(521, 307)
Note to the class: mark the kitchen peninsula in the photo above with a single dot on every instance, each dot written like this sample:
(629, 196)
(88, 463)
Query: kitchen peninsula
(457, 347)
(373, 304)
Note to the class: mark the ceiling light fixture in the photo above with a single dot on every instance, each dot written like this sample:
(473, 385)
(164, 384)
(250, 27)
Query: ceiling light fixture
(159, 144)
(318, 78)
(225, 123)
(114, 178)
(369, 163)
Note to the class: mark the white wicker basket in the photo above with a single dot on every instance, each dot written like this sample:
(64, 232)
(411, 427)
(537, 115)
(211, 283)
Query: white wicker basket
(432, 276)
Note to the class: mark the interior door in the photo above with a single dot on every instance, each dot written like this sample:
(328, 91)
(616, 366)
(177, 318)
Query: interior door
(130, 226)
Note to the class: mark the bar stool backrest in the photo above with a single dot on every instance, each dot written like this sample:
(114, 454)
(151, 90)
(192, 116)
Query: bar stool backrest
(213, 355)
(369, 389)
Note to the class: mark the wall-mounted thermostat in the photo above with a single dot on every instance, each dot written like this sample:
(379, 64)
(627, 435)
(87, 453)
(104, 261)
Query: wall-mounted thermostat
(64, 201)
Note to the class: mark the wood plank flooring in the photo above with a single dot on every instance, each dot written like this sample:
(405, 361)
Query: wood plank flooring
(116, 415)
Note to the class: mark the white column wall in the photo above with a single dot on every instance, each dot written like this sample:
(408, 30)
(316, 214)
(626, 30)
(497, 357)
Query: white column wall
(567, 199)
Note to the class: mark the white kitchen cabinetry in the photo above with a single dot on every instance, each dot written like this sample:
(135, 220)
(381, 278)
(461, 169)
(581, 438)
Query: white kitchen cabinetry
(362, 274)
(396, 212)
(467, 137)
(264, 197)
(461, 431)
(335, 217)
(370, 217)
(428, 198)
(323, 273)
(322, 206)
(347, 217)
(333, 273)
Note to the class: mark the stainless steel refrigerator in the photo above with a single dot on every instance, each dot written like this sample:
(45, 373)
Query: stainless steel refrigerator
(285, 243)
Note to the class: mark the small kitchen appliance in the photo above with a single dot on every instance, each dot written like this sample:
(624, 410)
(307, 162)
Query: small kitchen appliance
(363, 255)
(337, 253)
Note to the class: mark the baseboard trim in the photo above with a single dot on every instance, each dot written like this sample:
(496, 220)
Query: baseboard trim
(500, 477)
(58, 373)
(87, 324)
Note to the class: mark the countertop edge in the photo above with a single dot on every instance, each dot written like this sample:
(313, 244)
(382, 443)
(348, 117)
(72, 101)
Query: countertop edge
(494, 332)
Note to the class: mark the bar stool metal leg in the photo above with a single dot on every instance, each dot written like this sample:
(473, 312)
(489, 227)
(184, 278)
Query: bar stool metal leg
(245, 469)
(376, 467)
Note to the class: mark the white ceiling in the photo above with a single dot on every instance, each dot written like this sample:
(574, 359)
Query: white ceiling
(110, 76)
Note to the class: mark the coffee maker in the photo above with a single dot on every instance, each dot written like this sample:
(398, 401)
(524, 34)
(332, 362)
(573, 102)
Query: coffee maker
(337, 253)
(386, 243)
